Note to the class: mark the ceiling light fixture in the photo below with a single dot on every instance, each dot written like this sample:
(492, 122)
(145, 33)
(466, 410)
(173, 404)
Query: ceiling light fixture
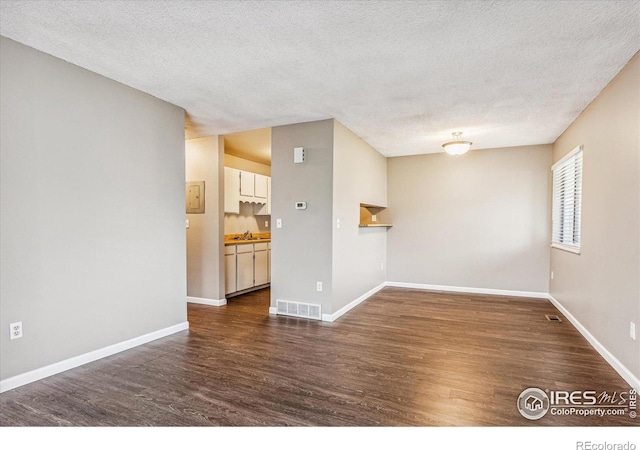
(457, 146)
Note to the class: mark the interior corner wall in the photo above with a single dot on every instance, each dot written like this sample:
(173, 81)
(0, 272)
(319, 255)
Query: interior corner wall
(91, 211)
(359, 254)
(205, 235)
(481, 220)
(601, 286)
(301, 249)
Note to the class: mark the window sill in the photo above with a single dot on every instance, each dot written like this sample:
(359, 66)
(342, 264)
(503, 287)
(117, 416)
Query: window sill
(566, 248)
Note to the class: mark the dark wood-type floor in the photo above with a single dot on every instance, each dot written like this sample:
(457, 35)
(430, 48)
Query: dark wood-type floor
(403, 357)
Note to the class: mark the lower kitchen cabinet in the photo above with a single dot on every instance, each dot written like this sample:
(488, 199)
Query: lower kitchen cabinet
(246, 266)
(261, 264)
(269, 261)
(230, 269)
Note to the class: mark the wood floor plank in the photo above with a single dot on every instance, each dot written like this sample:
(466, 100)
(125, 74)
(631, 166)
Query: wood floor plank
(402, 358)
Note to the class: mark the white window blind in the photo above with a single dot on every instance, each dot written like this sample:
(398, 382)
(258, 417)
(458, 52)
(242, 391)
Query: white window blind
(567, 201)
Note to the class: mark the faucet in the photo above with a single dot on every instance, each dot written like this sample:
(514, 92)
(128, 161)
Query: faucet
(247, 235)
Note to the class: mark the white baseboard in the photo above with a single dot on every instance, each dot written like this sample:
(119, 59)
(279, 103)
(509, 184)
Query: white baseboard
(52, 369)
(353, 304)
(468, 290)
(207, 301)
(331, 317)
(606, 354)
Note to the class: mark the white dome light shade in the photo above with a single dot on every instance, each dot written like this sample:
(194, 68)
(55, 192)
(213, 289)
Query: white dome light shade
(457, 146)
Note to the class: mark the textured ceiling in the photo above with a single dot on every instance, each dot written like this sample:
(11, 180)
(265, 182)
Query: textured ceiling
(401, 75)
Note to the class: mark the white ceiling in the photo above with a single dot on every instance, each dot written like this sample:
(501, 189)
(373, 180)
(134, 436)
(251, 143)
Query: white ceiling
(401, 75)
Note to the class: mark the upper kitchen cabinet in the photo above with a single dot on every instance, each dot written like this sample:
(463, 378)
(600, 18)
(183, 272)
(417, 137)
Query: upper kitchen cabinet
(243, 186)
(263, 209)
(261, 186)
(269, 196)
(231, 191)
(247, 185)
(253, 187)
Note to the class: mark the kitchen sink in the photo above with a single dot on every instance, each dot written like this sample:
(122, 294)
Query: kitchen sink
(251, 239)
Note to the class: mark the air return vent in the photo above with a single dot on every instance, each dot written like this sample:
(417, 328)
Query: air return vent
(297, 309)
(553, 318)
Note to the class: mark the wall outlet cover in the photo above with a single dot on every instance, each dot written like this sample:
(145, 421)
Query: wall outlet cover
(15, 330)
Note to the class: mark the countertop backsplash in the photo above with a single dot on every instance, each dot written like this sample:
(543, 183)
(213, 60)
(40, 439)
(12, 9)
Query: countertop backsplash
(246, 221)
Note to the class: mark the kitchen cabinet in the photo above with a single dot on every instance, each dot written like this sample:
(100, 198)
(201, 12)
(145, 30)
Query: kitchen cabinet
(269, 261)
(269, 199)
(230, 269)
(260, 186)
(243, 186)
(247, 184)
(244, 266)
(263, 209)
(231, 191)
(261, 264)
(247, 266)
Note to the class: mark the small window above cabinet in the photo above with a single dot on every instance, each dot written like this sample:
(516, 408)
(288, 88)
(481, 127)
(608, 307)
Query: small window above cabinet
(374, 216)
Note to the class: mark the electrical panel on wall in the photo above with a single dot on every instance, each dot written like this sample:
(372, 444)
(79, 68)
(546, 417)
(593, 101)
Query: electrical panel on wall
(195, 197)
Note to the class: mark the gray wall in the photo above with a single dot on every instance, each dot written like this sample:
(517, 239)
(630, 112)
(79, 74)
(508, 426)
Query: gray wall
(601, 286)
(480, 220)
(359, 176)
(301, 249)
(205, 236)
(92, 211)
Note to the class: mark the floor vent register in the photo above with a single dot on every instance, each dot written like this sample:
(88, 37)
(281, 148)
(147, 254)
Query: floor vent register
(298, 309)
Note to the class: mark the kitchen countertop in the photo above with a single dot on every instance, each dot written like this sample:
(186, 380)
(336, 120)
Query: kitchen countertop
(235, 239)
(246, 241)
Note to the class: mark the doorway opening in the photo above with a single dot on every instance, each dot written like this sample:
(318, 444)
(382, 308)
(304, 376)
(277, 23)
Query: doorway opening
(247, 216)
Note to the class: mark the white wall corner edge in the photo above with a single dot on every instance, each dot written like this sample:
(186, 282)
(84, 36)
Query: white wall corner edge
(353, 304)
(76, 361)
(606, 354)
(207, 301)
(273, 311)
(468, 290)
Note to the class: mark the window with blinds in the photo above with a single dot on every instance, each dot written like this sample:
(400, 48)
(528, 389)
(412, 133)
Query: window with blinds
(567, 201)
